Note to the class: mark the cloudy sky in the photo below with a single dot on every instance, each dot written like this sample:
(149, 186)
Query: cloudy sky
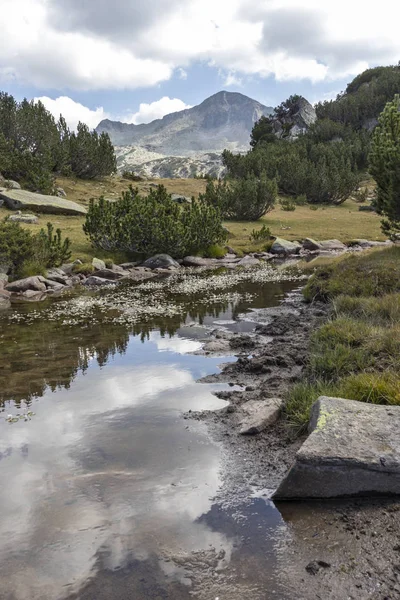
(137, 60)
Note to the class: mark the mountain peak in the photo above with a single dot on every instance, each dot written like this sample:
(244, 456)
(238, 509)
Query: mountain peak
(224, 120)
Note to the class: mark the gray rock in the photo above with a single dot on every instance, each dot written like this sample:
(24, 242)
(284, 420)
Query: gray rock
(67, 268)
(29, 283)
(128, 265)
(196, 261)
(109, 274)
(332, 245)
(23, 218)
(118, 269)
(181, 199)
(98, 281)
(57, 275)
(160, 261)
(22, 199)
(248, 261)
(50, 284)
(98, 263)
(61, 193)
(353, 449)
(10, 184)
(281, 246)
(257, 415)
(310, 244)
(3, 280)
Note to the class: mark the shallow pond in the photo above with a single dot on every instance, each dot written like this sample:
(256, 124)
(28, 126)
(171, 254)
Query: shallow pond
(107, 491)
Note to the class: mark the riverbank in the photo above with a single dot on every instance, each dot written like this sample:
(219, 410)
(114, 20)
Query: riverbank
(339, 549)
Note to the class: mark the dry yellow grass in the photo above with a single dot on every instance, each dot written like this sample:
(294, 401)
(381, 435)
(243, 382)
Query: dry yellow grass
(82, 191)
(343, 222)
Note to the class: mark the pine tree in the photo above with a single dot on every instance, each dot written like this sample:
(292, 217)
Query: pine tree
(384, 161)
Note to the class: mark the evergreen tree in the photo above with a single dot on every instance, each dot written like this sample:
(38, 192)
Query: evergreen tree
(385, 166)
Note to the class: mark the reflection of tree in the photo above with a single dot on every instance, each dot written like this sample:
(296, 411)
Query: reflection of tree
(43, 354)
(46, 355)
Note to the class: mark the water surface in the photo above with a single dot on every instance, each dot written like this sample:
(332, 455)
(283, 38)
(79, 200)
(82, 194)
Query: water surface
(107, 491)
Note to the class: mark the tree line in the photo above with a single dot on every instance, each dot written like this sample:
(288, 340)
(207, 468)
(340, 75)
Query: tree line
(34, 147)
(327, 162)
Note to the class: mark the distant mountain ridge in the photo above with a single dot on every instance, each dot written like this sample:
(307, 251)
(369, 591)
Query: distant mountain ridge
(223, 120)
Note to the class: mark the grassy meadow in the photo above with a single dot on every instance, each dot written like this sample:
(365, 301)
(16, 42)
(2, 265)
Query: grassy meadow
(343, 222)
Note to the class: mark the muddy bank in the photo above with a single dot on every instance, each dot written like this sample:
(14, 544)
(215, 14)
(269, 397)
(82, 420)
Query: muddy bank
(336, 549)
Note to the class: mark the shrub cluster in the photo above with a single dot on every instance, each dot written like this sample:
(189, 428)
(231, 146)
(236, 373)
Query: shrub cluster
(152, 224)
(24, 254)
(243, 199)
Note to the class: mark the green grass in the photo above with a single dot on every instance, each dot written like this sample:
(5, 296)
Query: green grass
(374, 388)
(355, 355)
(373, 273)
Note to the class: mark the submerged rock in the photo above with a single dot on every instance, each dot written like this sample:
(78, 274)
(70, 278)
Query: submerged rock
(257, 415)
(353, 449)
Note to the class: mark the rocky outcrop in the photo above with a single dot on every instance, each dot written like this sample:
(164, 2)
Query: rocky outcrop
(24, 200)
(296, 120)
(353, 449)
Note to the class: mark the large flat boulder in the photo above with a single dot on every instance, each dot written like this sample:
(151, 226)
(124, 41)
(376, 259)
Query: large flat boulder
(353, 450)
(24, 200)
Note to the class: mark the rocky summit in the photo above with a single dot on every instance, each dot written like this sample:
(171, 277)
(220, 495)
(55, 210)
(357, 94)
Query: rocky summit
(188, 142)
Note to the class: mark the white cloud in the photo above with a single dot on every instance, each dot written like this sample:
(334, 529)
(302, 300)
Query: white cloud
(155, 110)
(232, 79)
(182, 74)
(125, 44)
(73, 112)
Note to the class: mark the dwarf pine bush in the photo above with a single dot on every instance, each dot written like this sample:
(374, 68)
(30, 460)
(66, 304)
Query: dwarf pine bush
(152, 224)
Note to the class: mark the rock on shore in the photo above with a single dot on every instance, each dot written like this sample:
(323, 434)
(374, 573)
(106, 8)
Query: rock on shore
(353, 449)
(22, 199)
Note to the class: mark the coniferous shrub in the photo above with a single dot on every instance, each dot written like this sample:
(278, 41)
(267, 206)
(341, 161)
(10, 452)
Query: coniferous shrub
(16, 246)
(242, 199)
(52, 251)
(153, 224)
(385, 166)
